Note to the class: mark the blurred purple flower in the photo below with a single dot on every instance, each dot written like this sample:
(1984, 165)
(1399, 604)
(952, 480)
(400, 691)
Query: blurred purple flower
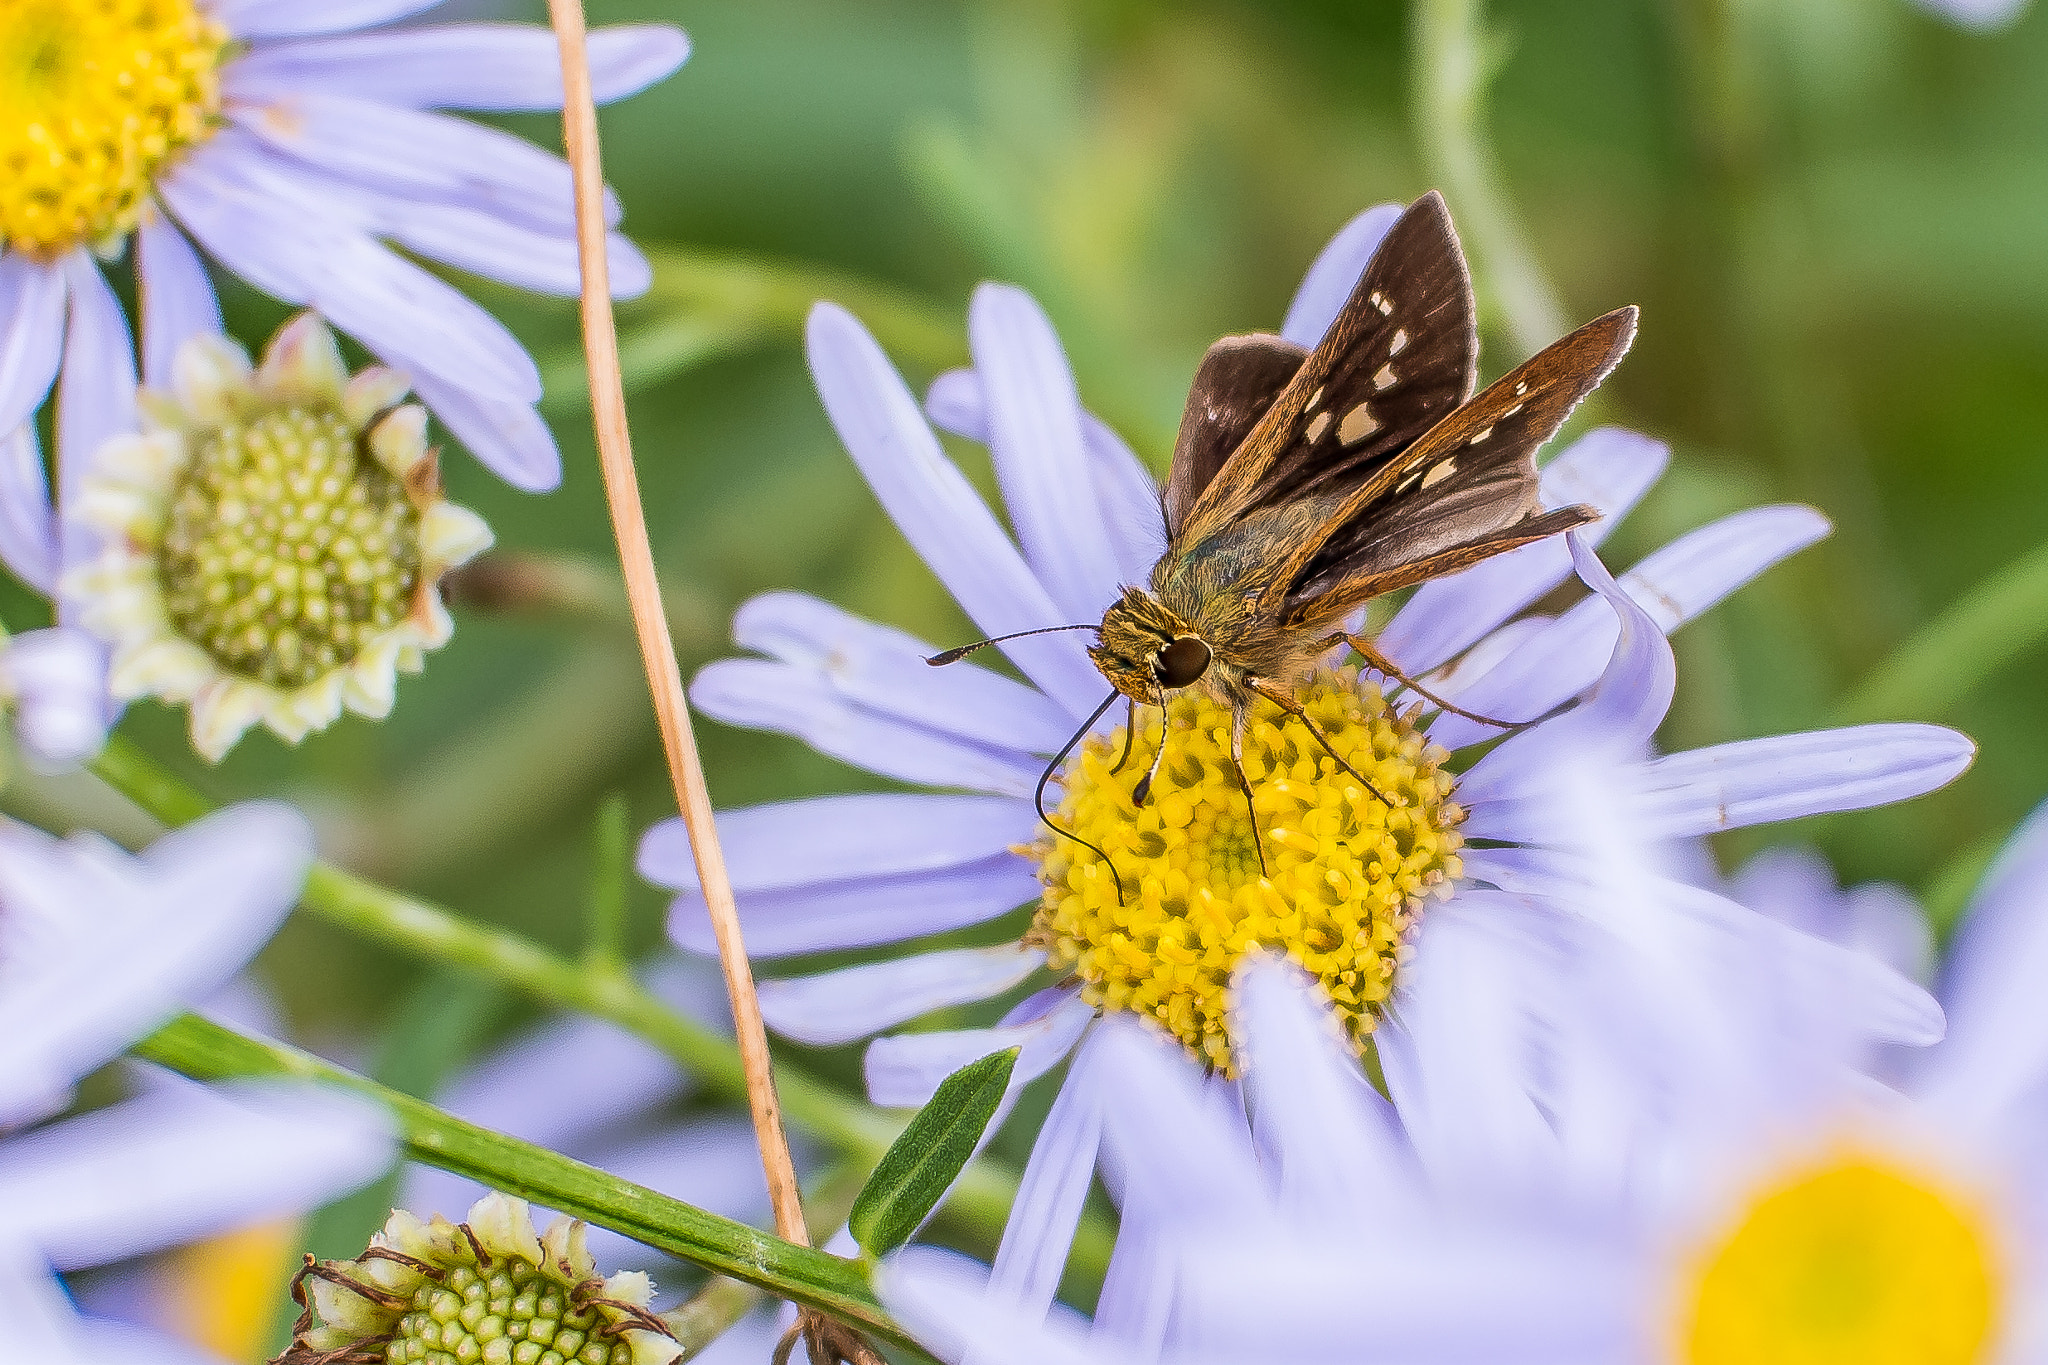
(1702, 1168)
(857, 871)
(97, 948)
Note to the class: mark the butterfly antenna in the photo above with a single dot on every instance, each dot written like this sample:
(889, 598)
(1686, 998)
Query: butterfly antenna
(1038, 797)
(955, 655)
(1293, 708)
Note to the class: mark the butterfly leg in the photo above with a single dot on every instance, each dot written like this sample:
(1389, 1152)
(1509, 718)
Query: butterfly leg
(1143, 791)
(1238, 715)
(1293, 708)
(1385, 667)
(1130, 735)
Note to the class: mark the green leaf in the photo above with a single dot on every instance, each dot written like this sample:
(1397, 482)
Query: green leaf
(916, 1171)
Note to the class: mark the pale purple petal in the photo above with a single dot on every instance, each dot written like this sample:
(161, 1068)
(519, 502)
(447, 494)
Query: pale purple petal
(41, 1325)
(177, 298)
(1329, 1143)
(1997, 1048)
(1040, 1230)
(57, 679)
(1335, 274)
(543, 259)
(207, 897)
(1673, 585)
(1697, 926)
(936, 508)
(839, 838)
(1785, 777)
(1127, 492)
(1608, 470)
(1796, 887)
(501, 68)
(947, 1304)
(304, 242)
(1034, 418)
(1135, 1311)
(433, 156)
(1511, 793)
(1458, 1083)
(506, 436)
(182, 1163)
(28, 524)
(295, 18)
(31, 334)
(885, 671)
(859, 913)
(761, 695)
(853, 1002)
(95, 397)
(903, 1071)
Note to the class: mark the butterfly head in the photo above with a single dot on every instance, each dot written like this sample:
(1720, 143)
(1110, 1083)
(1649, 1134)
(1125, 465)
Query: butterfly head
(1145, 650)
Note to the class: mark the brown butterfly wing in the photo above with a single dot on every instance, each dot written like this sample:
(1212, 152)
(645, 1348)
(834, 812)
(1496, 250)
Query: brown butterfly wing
(1237, 381)
(1400, 357)
(1469, 485)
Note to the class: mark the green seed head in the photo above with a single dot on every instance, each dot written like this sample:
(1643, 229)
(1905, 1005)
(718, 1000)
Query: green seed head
(288, 547)
(508, 1315)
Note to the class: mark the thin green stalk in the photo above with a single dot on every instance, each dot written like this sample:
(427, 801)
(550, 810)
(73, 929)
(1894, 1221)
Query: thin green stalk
(2001, 618)
(611, 852)
(1448, 87)
(986, 1190)
(206, 1051)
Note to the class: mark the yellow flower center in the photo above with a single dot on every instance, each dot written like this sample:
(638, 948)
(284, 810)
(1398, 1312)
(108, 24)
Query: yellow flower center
(95, 96)
(1344, 874)
(1854, 1263)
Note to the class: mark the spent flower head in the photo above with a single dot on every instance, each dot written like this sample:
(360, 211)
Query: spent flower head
(273, 541)
(487, 1289)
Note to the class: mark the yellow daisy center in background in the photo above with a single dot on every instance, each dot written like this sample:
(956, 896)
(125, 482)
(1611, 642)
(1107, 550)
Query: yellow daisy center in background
(95, 96)
(1855, 1263)
(1345, 879)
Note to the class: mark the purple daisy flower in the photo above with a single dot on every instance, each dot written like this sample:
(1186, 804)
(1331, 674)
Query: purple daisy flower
(1347, 878)
(301, 145)
(1690, 1186)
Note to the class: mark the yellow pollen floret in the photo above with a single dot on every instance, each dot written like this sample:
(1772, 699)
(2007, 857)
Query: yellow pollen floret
(1856, 1262)
(95, 97)
(1345, 879)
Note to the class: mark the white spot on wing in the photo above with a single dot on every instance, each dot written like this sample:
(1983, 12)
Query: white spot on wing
(1318, 427)
(1521, 388)
(1479, 436)
(1359, 423)
(1379, 301)
(1399, 343)
(1385, 378)
(1439, 473)
(1314, 399)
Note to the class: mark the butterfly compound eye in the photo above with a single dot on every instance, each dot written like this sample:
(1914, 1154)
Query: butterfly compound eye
(1182, 662)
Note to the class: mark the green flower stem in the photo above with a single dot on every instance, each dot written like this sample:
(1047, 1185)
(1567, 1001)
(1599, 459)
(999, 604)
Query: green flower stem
(1995, 622)
(981, 1200)
(206, 1051)
(1452, 65)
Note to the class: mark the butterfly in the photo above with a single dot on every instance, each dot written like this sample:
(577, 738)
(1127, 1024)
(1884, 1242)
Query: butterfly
(1306, 483)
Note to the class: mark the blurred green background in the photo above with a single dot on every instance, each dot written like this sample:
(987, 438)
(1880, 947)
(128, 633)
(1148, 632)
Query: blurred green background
(1834, 214)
